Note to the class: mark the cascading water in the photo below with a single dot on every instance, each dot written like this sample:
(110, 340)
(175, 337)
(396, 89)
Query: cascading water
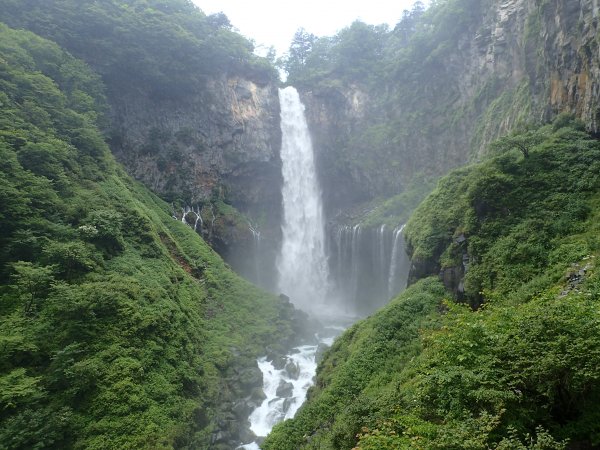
(256, 239)
(302, 263)
(196, 216)
(302, 266)
(399, 264)
(369, 264)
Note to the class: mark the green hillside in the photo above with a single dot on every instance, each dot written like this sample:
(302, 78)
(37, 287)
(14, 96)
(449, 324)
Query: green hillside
(119, 327)
(508, 362)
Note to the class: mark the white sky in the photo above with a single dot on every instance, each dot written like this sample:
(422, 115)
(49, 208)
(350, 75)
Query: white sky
(274, 22)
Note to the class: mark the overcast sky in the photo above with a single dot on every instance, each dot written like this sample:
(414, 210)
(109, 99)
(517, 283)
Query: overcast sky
(273, 22)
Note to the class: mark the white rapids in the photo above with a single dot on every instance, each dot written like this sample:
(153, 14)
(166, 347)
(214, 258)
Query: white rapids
(285, 388)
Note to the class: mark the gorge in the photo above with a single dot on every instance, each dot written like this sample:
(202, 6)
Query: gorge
(185, 239)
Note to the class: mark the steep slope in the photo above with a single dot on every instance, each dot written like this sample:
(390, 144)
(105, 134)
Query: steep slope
(119, 326)
(518, 234)
(193, 113)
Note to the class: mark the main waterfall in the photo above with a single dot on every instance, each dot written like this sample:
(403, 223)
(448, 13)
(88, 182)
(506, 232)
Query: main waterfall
(302, 269)
(302, 263)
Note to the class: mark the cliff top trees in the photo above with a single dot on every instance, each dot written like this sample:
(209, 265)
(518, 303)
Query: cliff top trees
(163, 45)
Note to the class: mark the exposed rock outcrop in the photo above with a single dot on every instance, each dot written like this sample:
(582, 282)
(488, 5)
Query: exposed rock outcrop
(219, 145)
(221, 141)
(514, 62)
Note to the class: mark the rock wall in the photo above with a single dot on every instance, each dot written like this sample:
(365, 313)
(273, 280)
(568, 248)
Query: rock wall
(517, 62)
(221, 141)
(217, 146)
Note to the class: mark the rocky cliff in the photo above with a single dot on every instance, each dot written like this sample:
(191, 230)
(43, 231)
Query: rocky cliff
(215, 147)
(220, 141)
(469, 72)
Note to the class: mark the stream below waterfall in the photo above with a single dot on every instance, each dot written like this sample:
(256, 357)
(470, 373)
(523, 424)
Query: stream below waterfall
(286, 381)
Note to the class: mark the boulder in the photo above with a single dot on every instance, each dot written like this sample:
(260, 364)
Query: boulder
(292, 370)
(285, 389)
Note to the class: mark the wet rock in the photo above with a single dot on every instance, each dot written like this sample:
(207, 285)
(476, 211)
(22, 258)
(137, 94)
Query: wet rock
(285, 389)
(242, 409)
(287, 403)
(250, 378)
(460, 239)
(292, 370)
(279, 362)
(575, 276)
(257, 395)
(246, 435)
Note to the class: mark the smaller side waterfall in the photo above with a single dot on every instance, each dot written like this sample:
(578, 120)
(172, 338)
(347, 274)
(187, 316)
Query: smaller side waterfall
(256, 254)
(399, 264)
(370, 265)
(196, 216)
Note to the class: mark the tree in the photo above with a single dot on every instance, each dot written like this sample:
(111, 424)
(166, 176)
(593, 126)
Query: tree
(219, 20)
(32, 283)
(300, 48)
(523, 140)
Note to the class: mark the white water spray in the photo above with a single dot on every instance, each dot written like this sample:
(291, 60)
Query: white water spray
(194, 213)
(302, 263)
(397, 247)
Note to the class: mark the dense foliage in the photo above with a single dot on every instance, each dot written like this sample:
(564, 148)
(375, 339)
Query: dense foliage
(162, 46)
(119, 327)
(356, 371)
(520, 371)
(514, 216)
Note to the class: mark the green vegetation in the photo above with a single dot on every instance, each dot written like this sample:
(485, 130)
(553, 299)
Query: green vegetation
(397, 209)
(164, 47)
(119, 327)
(515, 367)
(358, 372)
(519, 215)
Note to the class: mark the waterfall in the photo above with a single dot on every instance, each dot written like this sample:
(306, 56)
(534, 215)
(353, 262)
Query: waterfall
(301, 264)
(302, 268)
(256, 253)
(398, 264)
(187, 210)
(369, 265)
(381, 259)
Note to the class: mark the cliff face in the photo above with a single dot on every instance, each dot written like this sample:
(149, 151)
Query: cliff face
(511, 63)
(219, 143)
(333, 115)
(569, 32)
(222, 140)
